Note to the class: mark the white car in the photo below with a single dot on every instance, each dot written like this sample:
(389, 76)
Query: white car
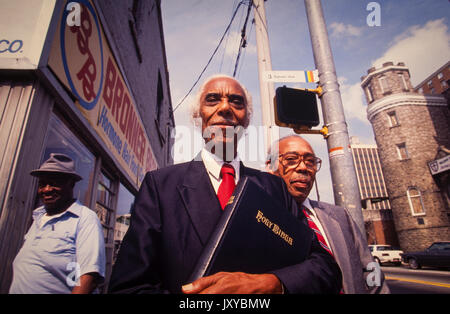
(385, 254)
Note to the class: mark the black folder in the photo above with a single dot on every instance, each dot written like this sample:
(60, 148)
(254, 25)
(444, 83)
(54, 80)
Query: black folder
(255, 234)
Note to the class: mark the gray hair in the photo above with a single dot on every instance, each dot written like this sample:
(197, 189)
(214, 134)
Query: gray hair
(274, 149)
(195, 104)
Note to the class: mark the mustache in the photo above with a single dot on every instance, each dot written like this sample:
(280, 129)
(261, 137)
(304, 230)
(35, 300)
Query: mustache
(301, 177)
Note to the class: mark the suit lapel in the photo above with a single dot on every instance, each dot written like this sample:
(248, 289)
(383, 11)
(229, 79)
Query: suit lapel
(331, 227)
(200, 200)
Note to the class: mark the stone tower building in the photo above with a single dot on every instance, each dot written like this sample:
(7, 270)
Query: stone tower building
(410, 131)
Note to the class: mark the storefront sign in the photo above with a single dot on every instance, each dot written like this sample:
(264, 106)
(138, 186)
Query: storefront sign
(82, 59)
(439, 165)
(23, 25)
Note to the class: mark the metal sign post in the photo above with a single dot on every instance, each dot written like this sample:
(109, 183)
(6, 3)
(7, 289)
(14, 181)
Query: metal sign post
(343, 174)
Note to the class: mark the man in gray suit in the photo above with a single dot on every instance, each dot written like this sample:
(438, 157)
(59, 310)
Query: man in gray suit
(293, 159)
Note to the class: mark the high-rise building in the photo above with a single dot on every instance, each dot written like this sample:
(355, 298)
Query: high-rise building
(376, 207)
(410, 130)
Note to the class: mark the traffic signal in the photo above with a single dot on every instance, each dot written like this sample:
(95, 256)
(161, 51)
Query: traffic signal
(295, 108)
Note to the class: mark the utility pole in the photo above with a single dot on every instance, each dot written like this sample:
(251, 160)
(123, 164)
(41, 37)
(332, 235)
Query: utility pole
(343, 174)
(266, 89)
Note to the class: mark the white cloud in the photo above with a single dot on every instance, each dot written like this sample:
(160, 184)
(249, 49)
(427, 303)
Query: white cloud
(353, 101)
(343, 30)
(423, 49)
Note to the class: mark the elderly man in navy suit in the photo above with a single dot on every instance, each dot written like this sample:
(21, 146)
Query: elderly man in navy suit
(294, 160)
(178, 207)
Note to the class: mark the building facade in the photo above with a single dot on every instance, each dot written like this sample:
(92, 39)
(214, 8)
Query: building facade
(410, 131)
(436, 83)
(377, 212)
(88, 79)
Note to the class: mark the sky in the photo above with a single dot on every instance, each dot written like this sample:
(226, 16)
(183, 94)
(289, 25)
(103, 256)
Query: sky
(415, 32)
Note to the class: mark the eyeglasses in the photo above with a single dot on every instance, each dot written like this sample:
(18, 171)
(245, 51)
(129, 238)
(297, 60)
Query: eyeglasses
(291, 160)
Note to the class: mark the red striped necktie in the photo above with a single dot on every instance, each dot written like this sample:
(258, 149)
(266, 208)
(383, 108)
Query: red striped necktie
(319, 235)
(227, 185)
(316, 230)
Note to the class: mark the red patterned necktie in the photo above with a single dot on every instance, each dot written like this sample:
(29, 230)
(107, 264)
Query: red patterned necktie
(316, 230)
(227, 185)
(319, 236)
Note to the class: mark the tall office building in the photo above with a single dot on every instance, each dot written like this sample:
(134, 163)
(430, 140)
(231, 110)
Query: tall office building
(377, 211)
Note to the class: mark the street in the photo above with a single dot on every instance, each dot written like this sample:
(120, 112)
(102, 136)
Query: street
(402, 280)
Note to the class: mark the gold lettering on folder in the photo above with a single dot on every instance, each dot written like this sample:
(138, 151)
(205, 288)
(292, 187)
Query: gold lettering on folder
(274, 227)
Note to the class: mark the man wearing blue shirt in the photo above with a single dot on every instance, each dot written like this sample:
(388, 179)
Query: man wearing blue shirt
(64, 250)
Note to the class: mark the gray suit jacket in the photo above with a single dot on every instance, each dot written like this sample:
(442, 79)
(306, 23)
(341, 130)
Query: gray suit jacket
(349, 248)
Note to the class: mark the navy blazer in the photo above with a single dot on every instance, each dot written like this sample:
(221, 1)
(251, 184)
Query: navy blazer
(173, 216)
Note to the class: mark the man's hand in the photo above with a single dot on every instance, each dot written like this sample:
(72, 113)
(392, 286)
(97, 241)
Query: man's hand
(235, 283)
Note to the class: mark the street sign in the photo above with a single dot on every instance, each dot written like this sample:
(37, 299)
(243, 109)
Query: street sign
(291, 76)
(439, 165)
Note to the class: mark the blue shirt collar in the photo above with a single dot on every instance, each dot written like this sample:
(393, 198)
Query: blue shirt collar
(74, 209)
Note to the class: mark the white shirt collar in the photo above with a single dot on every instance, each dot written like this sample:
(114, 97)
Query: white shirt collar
(310, 208)
(213, 164)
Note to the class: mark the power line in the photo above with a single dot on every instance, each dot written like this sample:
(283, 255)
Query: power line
(212, 56)
(226, 41)
(245, 51)
(243, 42)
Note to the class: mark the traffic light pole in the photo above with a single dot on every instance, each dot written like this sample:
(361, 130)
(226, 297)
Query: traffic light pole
(343, 174)
(266, 89)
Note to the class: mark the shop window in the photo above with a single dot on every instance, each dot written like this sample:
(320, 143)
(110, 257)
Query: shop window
(60, 139)
(104, 205)
(125, 202)
(415, 201)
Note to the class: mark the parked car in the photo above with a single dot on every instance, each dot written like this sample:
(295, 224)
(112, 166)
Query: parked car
(383, 253)
(437, 255)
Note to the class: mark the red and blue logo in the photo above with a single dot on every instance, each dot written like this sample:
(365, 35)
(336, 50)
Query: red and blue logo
(84, 70)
